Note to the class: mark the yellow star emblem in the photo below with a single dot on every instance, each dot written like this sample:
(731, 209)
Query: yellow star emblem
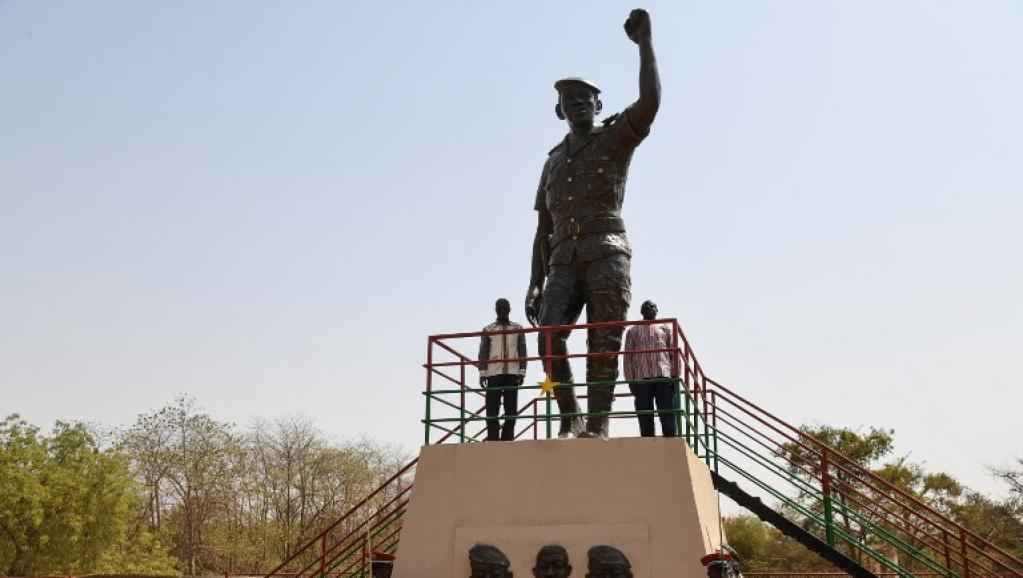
(547, 385)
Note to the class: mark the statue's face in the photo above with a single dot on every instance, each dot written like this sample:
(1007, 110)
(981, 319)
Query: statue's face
(552, 565)
(578, 104)
(610, 572)
(489, 571)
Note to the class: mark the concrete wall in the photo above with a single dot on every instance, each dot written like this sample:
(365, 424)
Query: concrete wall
(650, 497)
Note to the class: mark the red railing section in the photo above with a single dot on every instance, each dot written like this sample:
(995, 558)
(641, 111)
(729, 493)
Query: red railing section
(854, 510)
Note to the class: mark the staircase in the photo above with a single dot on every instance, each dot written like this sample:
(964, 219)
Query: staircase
(844, 512)
(841, 504)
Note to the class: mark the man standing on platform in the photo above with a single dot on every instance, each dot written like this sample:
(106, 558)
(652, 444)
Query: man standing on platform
(499, 376)
(581, 256)
(649, 374)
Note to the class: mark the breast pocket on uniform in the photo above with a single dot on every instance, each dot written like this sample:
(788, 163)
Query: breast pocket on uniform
(557, 177)
(601, 182)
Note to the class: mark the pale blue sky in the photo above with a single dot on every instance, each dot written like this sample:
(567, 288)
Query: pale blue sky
(270, 205)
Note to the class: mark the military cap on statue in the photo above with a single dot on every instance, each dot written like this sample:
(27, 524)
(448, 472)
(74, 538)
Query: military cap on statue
(576, 80)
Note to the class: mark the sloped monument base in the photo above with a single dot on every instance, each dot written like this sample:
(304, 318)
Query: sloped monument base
(649, 497)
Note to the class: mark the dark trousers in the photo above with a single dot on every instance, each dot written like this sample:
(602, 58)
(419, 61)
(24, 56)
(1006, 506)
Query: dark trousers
(663, 392)
(511, 406)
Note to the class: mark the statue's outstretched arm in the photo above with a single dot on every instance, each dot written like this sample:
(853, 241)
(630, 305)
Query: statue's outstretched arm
(642, 113)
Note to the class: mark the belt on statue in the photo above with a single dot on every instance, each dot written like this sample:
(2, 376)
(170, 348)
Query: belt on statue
(575, 229)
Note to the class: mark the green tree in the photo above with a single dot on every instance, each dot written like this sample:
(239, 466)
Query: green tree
(63, 500)
(186, 460)
(751, 540)
(138, 553)
(762, 548)
(997, 521)
(223, 500)
(861, 449)
(1013, 476)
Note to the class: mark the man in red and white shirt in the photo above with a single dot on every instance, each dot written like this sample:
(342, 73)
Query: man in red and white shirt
(649, 374)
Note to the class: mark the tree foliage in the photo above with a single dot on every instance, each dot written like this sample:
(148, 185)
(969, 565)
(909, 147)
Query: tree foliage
(188, 460)
(224, 499)
(762, 548)
(178, 491)
(64, 501)
(998, 521)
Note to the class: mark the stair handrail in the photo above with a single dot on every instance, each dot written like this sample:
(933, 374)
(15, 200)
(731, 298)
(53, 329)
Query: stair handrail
(874, 477)
(312, 542)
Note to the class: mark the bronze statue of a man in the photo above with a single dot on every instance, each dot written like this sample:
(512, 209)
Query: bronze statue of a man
(552, 562)
(581, 256)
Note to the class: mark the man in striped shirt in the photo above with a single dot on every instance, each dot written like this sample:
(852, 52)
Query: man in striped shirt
(649, 374)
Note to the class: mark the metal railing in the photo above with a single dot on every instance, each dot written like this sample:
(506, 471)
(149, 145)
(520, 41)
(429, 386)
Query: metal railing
(453, 395)
(345, 547)
(846, 504)
(843, 503)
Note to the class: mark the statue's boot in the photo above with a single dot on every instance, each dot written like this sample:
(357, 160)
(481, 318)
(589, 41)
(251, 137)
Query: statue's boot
(599, 403)
(571, 426)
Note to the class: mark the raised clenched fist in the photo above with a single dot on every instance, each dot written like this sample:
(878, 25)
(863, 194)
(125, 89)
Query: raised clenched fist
(637, 26)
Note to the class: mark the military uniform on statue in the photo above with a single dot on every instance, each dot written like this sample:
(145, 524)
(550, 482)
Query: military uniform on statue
(581, 256)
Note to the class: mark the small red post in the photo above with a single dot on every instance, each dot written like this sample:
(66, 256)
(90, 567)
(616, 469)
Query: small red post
(944, 546)
(674, 350)
(685, 356)
(548, 358)
(368, 557)
(461, 393)
(429, 364)
(429, 386)
(549, 368)
(962, 549)
(323, 555)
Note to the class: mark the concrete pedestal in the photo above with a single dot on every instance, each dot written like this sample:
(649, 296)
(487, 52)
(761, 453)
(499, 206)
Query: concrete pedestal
(649, 497)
